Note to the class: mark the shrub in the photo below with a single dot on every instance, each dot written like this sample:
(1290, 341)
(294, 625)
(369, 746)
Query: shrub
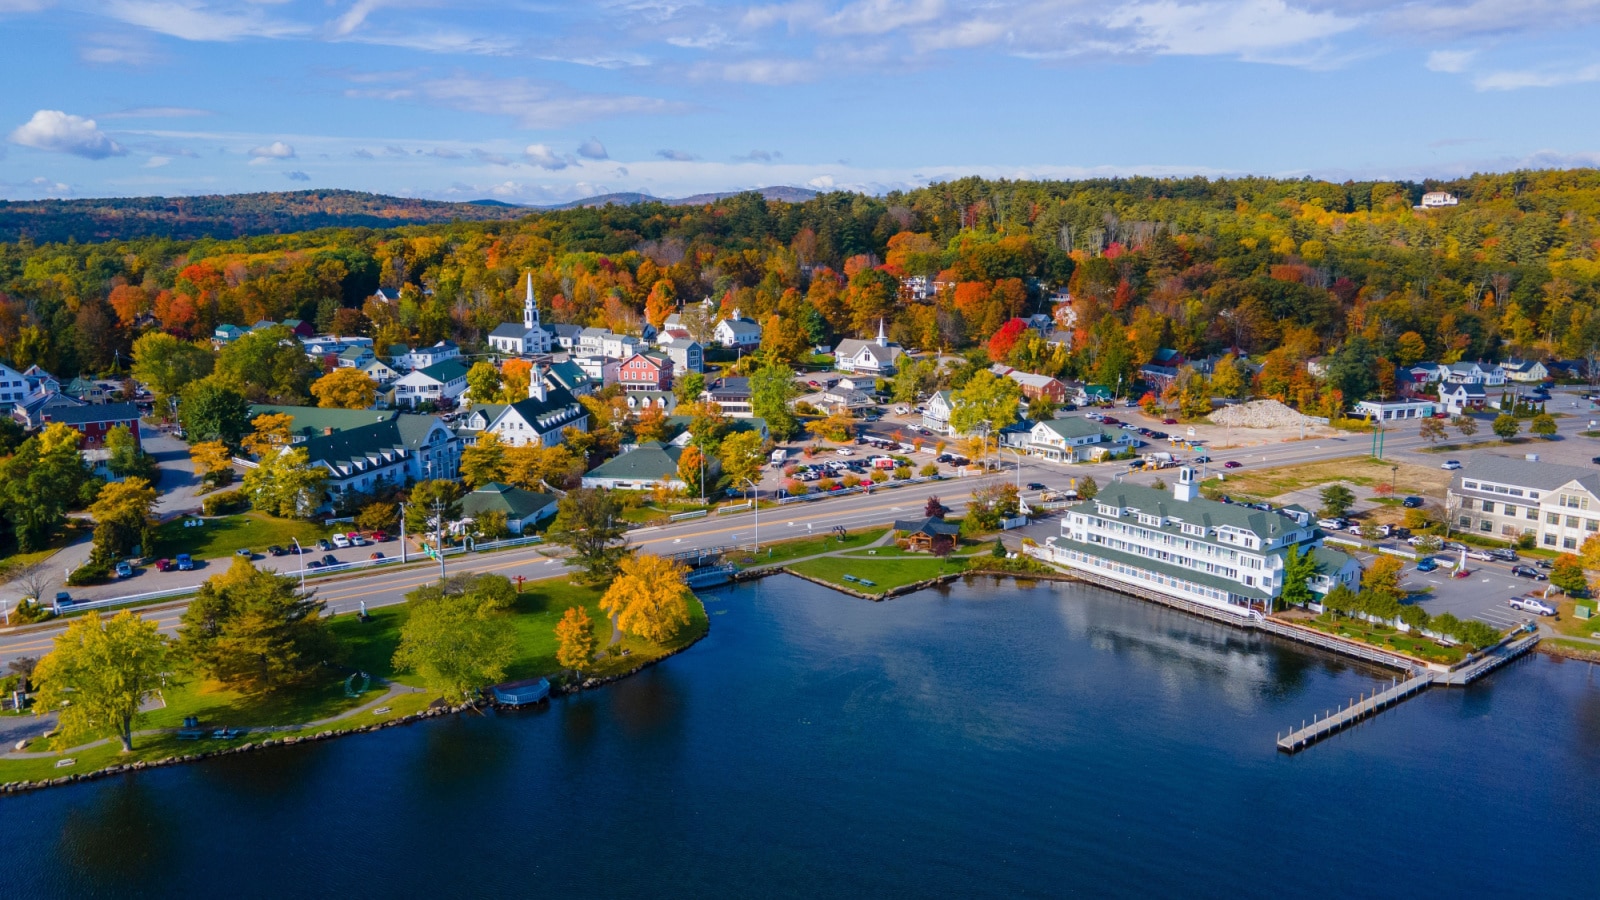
(928, 471)
(92, 572)
(879, 476)
(851, 480)
(796, 487)
(826, 484)
(30, 611)
(902, 472)
(226, 503)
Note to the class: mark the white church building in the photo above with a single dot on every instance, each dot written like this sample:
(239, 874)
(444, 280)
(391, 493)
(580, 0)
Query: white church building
(528, 337)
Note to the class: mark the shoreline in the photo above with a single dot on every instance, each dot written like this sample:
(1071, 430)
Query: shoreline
(434, 710)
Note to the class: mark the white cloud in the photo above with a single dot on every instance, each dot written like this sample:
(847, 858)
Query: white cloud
(1511, 80)
(593, 149)
(266, 153)
(676, 155)
(157, 112)
(156, 162)
(1489, 17)
(297, 176)
(713, 36)
(1450, 60)
(759, 71)
(532, 104)
(881, 16)
(191, 20)
(545, 158)
(1221, 28)
(117, 50)
(764, 156)
(22, 6)
(59, 132)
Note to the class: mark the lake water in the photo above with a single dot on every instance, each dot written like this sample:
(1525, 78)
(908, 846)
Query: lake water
(985, 739)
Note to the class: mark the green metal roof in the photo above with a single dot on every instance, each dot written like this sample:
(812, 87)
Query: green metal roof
(445, 372)
(515, 502)
(314, 420)
(1199, 511)
(651, 461)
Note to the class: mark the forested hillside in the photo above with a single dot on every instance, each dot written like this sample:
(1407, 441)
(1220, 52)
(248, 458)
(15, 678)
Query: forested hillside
(218, 216)
(1282, 271)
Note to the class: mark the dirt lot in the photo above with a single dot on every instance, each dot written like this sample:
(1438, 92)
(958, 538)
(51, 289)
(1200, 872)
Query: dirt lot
(1218, 437)
(1354, 471)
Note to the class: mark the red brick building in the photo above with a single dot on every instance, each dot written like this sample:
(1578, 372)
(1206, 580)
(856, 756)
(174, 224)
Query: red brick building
(645, 372)
(95, 421)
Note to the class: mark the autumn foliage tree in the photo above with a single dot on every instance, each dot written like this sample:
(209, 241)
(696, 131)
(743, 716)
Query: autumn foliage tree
(345, 388)
(650, 597)
(575, 639)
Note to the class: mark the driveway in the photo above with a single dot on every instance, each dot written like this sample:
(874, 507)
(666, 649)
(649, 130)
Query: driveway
(178, 485)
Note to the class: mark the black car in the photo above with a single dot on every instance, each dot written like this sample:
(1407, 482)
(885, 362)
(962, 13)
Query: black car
(1035, 486)
(1504, 555)
(324, 544)
(1544, 564)
(330, 560)
(1202, 459)
(1529, 572)
(1411, 502)
(314, 564)
(275, 550)
(1158, 435)
(945, 457)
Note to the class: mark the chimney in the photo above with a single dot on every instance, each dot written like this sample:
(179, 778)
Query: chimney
(327, 432)
(536, 383)
(1183, 490)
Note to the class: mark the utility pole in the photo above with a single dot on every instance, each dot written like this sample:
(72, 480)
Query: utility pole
(438, 545)
(402, 534)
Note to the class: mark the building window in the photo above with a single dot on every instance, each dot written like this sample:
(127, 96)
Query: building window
(1485, 525)
(1552, 518)
(1532, 513)
(1549, 540)
(1488, 506)
(1570, 543)
(1572, 521)
(1466, 502)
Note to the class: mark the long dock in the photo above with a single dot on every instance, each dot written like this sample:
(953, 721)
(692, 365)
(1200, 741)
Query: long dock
(1321, 727)
(1488, 662)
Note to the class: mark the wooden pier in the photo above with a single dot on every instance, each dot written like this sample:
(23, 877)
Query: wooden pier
(1359, 708)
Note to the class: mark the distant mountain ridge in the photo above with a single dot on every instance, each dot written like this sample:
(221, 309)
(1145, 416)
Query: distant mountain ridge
(785, 193)
(224, 216)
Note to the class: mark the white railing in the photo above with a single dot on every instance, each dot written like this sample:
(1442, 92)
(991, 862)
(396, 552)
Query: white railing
(685, 516)
(732, 508)
(78, 605)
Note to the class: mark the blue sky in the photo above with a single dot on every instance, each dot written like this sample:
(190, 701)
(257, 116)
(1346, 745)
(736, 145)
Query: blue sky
(539, 102)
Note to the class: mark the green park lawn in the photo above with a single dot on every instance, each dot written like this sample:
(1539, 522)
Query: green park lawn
(1388, 638)
(12, 562)
(783, 551)
(222, 536)
(886, 573)
(368, 647)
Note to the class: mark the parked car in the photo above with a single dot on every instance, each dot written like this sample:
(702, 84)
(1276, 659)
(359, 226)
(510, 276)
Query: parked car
(324, 544)
(1544, 564)
(314, 564)
(357, 540)
(330, 560)
(1483, 555)
(1232, 464)
(1334, 524)
(1450, 465)
(185, 562)
(1411, 502)
(1426, 564)
(275, 550)
(1504, 554)
(1529, 572)
(1036, 486)
(844, 451)
(376, 554)
(124, 569)
(245, 552)
(1202, 458)
(1169, 421)
(163, 565)
(1536, 605)
(1402, 533)
(1452, 546)
(339, 541)
(64, 599)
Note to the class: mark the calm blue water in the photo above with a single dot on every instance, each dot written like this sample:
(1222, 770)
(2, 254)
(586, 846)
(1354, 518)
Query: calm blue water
(988, 739)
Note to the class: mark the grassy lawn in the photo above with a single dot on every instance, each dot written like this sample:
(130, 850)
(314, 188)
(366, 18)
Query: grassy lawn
(220, 537)
(886, 574)
(15, 561)
(1387, 638)
(368, 647)
(1365, 471)
(784, 551)
(1567, 621)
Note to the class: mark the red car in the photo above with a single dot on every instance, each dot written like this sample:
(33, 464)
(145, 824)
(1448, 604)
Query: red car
(1232, 464)
(163, 565)
(379, 537)
(1169, 421)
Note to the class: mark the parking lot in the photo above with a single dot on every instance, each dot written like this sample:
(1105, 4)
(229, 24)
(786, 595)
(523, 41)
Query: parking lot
(1481, 595)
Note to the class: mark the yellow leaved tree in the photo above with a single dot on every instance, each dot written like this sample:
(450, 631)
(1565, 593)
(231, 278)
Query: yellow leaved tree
(649, 598)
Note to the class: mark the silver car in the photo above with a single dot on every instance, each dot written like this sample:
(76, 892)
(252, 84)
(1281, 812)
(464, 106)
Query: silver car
(1536, 605)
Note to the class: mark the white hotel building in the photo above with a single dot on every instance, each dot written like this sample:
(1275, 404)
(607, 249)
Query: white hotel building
(1504, 498)
(1224, 555)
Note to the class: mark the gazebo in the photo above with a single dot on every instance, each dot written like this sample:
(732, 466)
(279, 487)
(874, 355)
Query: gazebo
(928, 534)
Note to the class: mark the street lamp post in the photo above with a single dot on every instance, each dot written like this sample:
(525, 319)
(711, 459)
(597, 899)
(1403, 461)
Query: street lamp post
(300, 554)
(402, 534)
(755, 503)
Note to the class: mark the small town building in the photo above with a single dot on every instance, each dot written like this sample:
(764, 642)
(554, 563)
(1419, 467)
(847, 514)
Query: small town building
(523, 509)
(94, 421)
(440, 383)
(928, 534)
(650, 465)
(539, 419)
(570, 377)
(1462, 397)
(1074, 439)
(686, 355)
(1507, 497)
(647, 371)
(876, 357)
(1525, 371)
(732, 395)
(1438, 200)
(1393, 410)
(737, 333)
(393, 452)
(432, 356)
(523, 338)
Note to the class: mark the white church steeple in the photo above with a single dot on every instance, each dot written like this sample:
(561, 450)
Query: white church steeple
(883, 339)
(530, 308)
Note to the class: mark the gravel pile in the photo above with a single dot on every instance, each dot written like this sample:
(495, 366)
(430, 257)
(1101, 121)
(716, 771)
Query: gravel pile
(1261, 414)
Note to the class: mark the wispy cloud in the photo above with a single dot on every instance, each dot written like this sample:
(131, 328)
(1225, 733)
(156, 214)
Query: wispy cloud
(297, 176)
(677, 155)
(191, 20)
(593, 149)
(531, 104)
(545, 158)
(1511, 80)
(157, 112)
(268, 153)
(1452, 61)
